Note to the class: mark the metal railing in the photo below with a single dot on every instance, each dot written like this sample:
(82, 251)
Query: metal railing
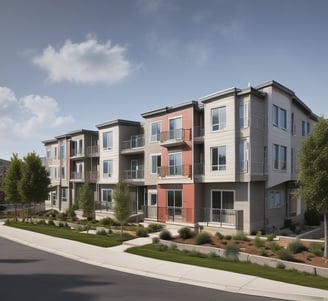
(199, 131)
(198, 169)
(171, 214)
(224, 218)
(175, 170)
(133, 174)
(93, 150)
(175, 135)
(135, 142)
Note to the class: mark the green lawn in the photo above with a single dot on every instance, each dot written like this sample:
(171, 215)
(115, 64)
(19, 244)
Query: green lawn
(63, 232)
(288, 276)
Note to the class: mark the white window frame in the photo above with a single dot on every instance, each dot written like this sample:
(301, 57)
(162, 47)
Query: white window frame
(155, 137)
(218, 167)
(176, 167)
(109, 164)
(176, 132)
(109, 140)
(152, 165)
(221, 124)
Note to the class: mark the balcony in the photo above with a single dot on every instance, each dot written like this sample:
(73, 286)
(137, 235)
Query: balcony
(77, 153)
(133, 175)
(176, 137)
(175, 171)
(77, 176)
(91, 176)
(199, 133)
(222, 218)
(93, 151)
(169, 214)
(133, 146)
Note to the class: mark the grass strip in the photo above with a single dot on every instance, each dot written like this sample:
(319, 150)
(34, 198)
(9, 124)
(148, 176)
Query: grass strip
(215, 262)
(110, 240)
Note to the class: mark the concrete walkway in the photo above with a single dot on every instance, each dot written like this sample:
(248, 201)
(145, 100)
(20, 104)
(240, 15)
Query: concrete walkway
(115, 258)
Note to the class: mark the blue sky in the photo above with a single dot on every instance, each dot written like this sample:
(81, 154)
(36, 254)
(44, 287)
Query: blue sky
(72, 64)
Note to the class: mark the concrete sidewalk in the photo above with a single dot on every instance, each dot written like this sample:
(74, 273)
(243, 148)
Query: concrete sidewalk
(115, 258)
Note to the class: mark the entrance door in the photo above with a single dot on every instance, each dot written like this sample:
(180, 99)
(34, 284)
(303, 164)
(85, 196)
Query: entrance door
(222, 205)
(152, 205)
(174, 204)
(134, 169)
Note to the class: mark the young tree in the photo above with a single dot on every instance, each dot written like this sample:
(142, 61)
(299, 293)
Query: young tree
(86, 201)
(313, 176)
(11, 183)
(122, 206)
(34, 183)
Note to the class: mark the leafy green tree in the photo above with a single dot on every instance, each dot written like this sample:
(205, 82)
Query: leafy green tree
(34, 183)
(122, 205)
(86, 201)
(313, 176)
(11, 182)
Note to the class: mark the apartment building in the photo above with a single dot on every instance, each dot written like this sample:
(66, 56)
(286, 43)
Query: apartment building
(227, 161)
(71, 159)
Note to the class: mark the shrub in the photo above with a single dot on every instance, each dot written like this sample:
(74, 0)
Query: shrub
(142, 232)
(41, 222)
(280, 266)
(51, 222)
(263, 252)
(165, 235)
(258, 242)
(162, 247)
(296, 246)
(154, 227)
(316, 249)
(173, 247)
(312, 217)
(274, 247)
(155, 240)
(60, 225)
(219, 235)
(227, 237)
(241, 236)
(270, 237)
(185, 233)
(231, 251)
(285, 254)
(203, 238)
(107, 221)
(101, 232)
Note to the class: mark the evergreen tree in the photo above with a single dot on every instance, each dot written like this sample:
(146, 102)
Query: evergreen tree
(34, 183)
(122, 206)
(86, 201)
(313, 176)
(11, 182)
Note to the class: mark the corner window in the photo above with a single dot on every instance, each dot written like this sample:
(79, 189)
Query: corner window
(218, 118)
(107, 168)
(107, 140)
(62, 151)
(243, 116)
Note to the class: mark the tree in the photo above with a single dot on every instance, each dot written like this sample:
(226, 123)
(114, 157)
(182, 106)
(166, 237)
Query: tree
(11, 182)
(86, 200)
(313, 176)
(122, 205)
(34, 183)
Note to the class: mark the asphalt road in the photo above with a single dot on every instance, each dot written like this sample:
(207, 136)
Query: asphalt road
(30, 274)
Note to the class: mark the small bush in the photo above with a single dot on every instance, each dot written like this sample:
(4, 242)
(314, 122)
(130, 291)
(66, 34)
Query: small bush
(51, 222)
(270, 237)
(142, 232)
(274, 247)
(316, 249)
(162, 247)
(296, 246)
(203, 238)
(41, 222)
(155, 240)
(60, 225)
(227, 237)
(107, 221)
(280, 266)
(155, 227)
(263, 252)
(185, 233)
(219, 235)
(165, 235)
(285, 254)
(258, 242)
(231, 251)
(173, 247)
(241, 236)
(101, 232)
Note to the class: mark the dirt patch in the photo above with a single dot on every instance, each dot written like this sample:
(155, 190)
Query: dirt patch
(250, 247)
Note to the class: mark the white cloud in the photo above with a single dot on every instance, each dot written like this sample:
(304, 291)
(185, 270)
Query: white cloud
(28, 120)
(87, 62)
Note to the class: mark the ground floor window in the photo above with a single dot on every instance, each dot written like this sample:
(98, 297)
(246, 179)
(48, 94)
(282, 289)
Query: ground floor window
(274, 199)
(106, 198)
(222, 199)
(174, 203)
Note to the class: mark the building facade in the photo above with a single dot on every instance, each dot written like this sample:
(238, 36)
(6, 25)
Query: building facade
(227, 161)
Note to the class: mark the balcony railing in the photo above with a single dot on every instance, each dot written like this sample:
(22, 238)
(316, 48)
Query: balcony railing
(91, 176)
(224, 218)
(171, 214)
(93, 151)
(198, 169)
(134, 174)
(77, 175)
(135, 142)
(175, 137)
(199, 131)
(175, 170)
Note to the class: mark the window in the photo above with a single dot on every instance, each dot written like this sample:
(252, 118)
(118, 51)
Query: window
(243, 118)
(279, 117)
(175, 128)
(155, 131)
(274, 199)
(283, 157)
(77, 147)
(107, 168)
(156, 162)
(222, 199)
(175, 164)
(218, 158)
(62, 151)
(305, 128)
(174, 203)
(107, 140)
(63, 172)
(48, 153)
(106, 198)
(55, 153)
(63, 194)
(279, 153)
(242, 156)
(293, 128)
(153, 199)
(218, 117)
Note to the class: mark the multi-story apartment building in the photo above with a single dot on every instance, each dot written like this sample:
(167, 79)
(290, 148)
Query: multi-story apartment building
(71, 159)
(226, 161)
